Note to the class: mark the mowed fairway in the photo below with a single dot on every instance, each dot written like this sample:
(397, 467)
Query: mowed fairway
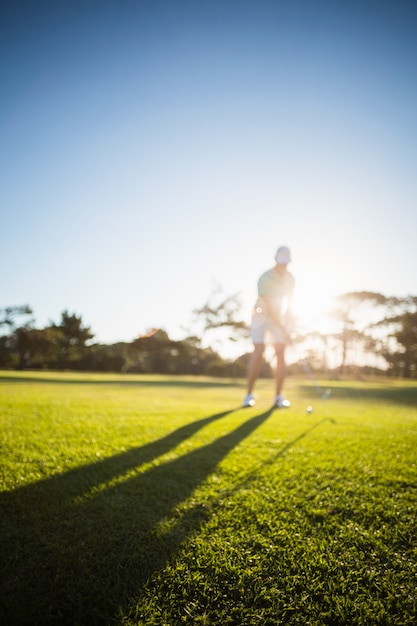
(159, 501)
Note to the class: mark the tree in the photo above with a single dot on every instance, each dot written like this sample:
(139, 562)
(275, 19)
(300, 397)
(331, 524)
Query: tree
(72, 339)
(353, 314)
(160, 354)
(402, 329)
(7, 358)
(8, 315)
(36, 347)
(222, 315)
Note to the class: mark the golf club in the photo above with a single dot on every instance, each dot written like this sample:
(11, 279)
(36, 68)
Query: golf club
(322, 393)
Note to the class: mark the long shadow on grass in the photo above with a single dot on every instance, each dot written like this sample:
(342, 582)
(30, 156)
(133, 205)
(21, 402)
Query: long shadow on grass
(63, 488)
(77, 561)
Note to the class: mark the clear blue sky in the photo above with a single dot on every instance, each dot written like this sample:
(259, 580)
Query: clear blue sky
(150, 150)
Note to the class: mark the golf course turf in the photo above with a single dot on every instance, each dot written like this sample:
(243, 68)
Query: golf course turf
(158, 500)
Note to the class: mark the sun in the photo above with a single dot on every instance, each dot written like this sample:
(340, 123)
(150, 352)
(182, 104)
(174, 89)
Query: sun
(313, 301)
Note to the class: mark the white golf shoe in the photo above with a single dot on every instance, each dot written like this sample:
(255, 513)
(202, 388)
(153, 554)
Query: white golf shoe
(249, 400)
(281, 403)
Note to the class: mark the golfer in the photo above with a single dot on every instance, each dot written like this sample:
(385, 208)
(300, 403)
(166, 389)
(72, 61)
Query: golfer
(271, 319)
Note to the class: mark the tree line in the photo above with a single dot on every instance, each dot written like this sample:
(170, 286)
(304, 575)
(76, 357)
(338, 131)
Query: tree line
(370, 332)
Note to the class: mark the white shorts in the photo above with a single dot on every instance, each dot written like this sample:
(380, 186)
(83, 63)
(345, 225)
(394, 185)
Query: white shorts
(263, 330)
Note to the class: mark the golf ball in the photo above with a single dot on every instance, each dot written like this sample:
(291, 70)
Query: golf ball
(309, 409)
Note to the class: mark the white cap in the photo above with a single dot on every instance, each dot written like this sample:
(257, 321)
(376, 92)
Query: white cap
(283, 255)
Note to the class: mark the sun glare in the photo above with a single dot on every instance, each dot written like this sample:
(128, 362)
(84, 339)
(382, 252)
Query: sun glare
(313, 301)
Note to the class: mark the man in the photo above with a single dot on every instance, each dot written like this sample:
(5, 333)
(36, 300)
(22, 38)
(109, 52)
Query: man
(272, 316)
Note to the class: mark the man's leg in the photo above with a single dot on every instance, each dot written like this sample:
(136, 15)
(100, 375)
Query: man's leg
(280, 367)
(254, 365)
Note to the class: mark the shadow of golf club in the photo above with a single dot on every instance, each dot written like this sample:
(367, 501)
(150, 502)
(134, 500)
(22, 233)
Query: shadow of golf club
(250, 476)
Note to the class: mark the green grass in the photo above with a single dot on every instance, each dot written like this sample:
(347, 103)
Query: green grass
(159, 501)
